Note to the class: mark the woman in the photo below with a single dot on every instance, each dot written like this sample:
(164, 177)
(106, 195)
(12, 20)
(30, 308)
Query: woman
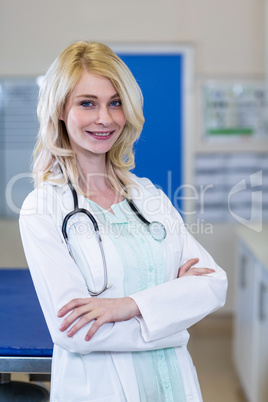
(124, 338)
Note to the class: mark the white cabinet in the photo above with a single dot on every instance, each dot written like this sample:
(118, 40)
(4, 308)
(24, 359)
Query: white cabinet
(263, 337)
(251, 318)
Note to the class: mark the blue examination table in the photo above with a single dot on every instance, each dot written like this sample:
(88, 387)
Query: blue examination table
(25, 343)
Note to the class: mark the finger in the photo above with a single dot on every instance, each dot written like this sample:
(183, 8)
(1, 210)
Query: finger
(187, 265)
(75, 314)
(86, 319)
(94, 328)
(199, 271)
(71, 305)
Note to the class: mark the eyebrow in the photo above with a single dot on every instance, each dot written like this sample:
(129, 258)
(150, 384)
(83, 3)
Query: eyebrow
(88, 96)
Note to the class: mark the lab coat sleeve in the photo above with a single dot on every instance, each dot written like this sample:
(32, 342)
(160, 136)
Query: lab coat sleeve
(178, 304)
(57, 280)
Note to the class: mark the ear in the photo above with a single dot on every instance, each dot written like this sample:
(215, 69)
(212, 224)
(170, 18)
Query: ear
(61, 116)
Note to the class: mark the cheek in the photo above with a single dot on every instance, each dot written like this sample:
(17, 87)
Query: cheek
(75, 120)
(122, 119)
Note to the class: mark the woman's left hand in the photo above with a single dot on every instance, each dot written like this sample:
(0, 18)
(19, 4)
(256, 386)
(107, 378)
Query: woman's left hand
(187, 270)
(99, 310)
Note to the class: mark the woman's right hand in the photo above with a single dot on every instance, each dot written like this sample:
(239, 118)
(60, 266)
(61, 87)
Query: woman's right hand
(187, 270)
(96, 310)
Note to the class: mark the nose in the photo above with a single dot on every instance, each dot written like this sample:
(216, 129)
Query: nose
(103, 116)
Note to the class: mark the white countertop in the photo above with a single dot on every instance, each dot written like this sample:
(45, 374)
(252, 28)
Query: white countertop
(257, 242)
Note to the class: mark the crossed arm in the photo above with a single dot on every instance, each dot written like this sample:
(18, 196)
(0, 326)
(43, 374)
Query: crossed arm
(162, 313)
(104, 310)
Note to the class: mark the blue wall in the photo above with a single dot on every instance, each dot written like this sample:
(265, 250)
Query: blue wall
(159, 151)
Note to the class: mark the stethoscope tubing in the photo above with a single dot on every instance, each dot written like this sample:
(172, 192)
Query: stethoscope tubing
(161, 236)
(137, 212)
(74, 212)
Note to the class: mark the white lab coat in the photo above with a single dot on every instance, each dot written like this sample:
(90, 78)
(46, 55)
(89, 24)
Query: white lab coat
(101, 369)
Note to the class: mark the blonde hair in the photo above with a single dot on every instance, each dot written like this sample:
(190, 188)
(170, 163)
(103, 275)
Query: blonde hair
(52, 147)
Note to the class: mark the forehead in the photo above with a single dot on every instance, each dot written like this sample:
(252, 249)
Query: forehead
(93, 84)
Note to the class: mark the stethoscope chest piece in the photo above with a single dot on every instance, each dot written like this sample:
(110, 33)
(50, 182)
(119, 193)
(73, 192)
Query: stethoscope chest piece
(157, 231)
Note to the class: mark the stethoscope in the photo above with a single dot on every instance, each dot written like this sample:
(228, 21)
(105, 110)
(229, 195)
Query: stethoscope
(156, 229)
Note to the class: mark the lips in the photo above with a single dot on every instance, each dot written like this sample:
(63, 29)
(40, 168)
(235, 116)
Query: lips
(100, 134)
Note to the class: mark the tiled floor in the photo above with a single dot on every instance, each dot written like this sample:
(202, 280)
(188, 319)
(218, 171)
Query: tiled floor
(210, 346)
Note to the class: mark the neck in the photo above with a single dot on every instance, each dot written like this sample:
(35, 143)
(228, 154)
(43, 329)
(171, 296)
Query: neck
(93, 170)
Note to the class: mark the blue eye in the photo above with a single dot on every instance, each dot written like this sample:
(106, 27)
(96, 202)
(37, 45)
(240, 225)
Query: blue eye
(116, 103)
(86, 104)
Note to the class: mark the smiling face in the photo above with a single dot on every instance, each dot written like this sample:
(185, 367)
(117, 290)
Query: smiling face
(93, 116)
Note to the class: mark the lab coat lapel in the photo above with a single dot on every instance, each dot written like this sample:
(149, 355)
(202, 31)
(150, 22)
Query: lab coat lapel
(148, 204)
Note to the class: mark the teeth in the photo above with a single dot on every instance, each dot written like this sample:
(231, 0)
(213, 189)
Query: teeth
(101, 134)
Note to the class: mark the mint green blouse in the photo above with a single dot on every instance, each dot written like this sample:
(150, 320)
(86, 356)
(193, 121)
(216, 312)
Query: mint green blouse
(158, 373)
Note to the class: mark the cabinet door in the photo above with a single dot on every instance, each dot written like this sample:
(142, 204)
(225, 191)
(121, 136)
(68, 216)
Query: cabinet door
(263, 337)
(245, 339)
